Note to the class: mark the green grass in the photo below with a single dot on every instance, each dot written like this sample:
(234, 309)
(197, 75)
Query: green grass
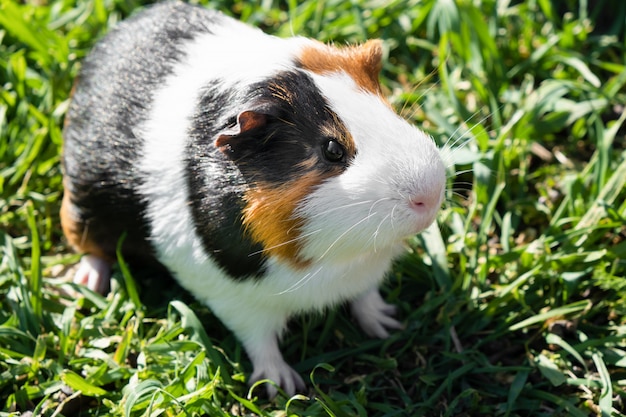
(515, 307)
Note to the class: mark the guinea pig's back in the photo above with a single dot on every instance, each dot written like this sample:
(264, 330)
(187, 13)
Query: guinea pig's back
(102, 140)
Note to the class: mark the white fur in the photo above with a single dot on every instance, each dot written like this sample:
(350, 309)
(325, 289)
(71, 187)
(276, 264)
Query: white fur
(352, 247)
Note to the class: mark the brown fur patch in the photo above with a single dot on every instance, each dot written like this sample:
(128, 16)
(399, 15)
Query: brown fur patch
(363, 63)
(76, 232)
(269, 216)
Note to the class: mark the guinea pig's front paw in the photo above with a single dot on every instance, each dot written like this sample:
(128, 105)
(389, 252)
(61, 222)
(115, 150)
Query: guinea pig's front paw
(374, 315)
(94, 273)
(281, 373)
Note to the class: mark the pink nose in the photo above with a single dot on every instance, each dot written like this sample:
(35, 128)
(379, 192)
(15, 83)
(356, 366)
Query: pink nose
(422, 203)
(417, 204)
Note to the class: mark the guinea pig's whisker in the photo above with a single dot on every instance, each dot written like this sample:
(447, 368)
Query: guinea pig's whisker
(448, 153)
(393, 210)
(458, 190)
(417, 105)
(451, 147)
(458, 141)
(452, 144)
(462, 171)
(325, 212)
(462, 183)
(464, 124)
(406, 100)
(341, 236)
(301, 282)
(375, 234)
(304, 236)
(461, 142)
(460, 195)
(458, 135)
(376, 202)
(410, 113)
(462, 186)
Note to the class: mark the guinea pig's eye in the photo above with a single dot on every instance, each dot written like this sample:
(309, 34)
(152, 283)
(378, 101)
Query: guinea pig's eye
(333, 151)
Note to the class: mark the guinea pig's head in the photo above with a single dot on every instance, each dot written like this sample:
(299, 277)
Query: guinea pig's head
(333, 171)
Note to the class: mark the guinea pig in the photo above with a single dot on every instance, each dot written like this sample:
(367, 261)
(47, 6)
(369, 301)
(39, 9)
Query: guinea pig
(269, 176)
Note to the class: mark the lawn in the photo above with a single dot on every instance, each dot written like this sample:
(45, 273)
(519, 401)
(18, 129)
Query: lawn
(514, 306)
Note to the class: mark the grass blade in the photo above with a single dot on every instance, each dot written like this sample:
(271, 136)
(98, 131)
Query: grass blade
(35, 266)
(566, 310)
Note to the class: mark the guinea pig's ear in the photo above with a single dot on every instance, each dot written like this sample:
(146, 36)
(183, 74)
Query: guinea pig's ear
(246, 121)
(370, 55)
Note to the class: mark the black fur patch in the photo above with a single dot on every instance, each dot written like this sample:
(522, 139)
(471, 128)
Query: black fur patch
(274, 153)
(299, 119)
(113, 95)
(216, 190)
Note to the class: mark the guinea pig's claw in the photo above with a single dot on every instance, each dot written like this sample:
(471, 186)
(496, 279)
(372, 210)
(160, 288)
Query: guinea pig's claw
(94, 273)
(283, 375)
(374, 315)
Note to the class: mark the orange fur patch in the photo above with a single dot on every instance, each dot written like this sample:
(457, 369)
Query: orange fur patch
(269, 217)
(363, 63)
(76, 232)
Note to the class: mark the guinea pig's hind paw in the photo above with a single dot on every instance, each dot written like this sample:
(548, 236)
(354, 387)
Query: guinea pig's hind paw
(283, 375)
(374, 315)
(94, 273)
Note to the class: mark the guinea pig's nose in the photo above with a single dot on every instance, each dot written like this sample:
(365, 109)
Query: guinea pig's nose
(426, 201)
(417, 204)
(427, 187)
(421, 205)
